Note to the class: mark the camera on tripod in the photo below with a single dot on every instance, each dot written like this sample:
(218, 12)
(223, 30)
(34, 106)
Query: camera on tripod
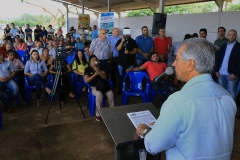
(61, 53)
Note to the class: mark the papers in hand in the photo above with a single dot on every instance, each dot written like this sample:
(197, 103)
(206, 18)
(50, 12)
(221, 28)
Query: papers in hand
(141, 117)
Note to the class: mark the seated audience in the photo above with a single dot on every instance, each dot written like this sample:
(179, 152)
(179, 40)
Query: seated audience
(36, 70)
(71, 55)
(16, 42)
(154, 67)
(79, 45)
(52, 50)
(72, 42)
(30, 42)
(67, 38)
(7, 73)
(92, 75)
(87, 52)
(18, 67)
(21, 33)
(84, 40)
(44, 32)
(79, 64)
(38, 47)
(4, 50)
(59, 31)
(46, 57)
(22, 45)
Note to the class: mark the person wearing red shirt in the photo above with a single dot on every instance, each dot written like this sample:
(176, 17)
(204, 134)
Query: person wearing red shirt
(154, 67)
(22, 45)
(162, 45)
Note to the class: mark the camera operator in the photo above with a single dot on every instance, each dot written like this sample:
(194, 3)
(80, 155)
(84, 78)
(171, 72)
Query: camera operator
(92, 75)
(127, 48)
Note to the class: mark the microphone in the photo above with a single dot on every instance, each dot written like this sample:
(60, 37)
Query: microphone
(168, 71)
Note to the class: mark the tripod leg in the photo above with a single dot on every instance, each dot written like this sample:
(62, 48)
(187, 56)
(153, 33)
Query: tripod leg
(53, 91)
(50, 105)
(80, 108)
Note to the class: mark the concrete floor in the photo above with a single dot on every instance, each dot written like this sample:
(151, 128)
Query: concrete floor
(67, 136)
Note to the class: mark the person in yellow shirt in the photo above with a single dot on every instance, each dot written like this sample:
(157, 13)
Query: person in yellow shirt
(79, 65)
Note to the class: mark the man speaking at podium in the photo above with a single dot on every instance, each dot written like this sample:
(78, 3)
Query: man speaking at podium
(198, 121)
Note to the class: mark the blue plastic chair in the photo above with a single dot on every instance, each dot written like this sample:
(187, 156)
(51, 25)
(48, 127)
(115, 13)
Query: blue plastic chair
(23, 56)
(29, 48)
(153, 93)
(92, 99)
(28, 91)
(136, 86)
(79, 85)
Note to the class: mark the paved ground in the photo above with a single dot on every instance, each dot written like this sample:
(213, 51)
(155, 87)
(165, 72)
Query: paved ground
(67, 136)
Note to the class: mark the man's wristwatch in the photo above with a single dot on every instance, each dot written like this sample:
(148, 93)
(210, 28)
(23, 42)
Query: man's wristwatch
(145, 132)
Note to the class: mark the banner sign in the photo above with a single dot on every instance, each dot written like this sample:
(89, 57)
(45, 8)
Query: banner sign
(107, 21)
(83, 21)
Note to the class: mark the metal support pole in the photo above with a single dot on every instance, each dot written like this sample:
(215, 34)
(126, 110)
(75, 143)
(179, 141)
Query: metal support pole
(82, 6)
(109, 6)
(161, 6)
(67, 25)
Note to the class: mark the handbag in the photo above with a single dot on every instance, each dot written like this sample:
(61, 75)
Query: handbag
(102, 85)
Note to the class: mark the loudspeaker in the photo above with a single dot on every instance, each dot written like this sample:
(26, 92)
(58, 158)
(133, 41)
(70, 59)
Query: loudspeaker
(159, 20)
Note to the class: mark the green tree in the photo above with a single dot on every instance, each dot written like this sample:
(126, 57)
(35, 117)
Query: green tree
(179, 9)
(139, 13)
(234, 7)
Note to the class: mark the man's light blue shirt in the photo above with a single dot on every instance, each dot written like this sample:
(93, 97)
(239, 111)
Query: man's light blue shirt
(145, 44)
(224, 68)
(14, 32)
(79, 46)
(94, 34)
(195, 123)
(40, 67)
(6, 68)
(113, 41)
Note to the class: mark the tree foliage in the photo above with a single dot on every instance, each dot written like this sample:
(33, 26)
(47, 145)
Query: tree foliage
(185, 9)
(32, 20)
(234, 7)
(140, 13)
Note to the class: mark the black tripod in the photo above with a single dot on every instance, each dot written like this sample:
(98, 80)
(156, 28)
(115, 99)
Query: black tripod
(59, 69)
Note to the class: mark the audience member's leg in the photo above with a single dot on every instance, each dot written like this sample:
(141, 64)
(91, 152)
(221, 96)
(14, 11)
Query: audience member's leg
(40, 80)
(99, 99)
(71, 85)
(12, 86)
(21, 83)
(232, 87)
(110, 97)
(3, 97)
